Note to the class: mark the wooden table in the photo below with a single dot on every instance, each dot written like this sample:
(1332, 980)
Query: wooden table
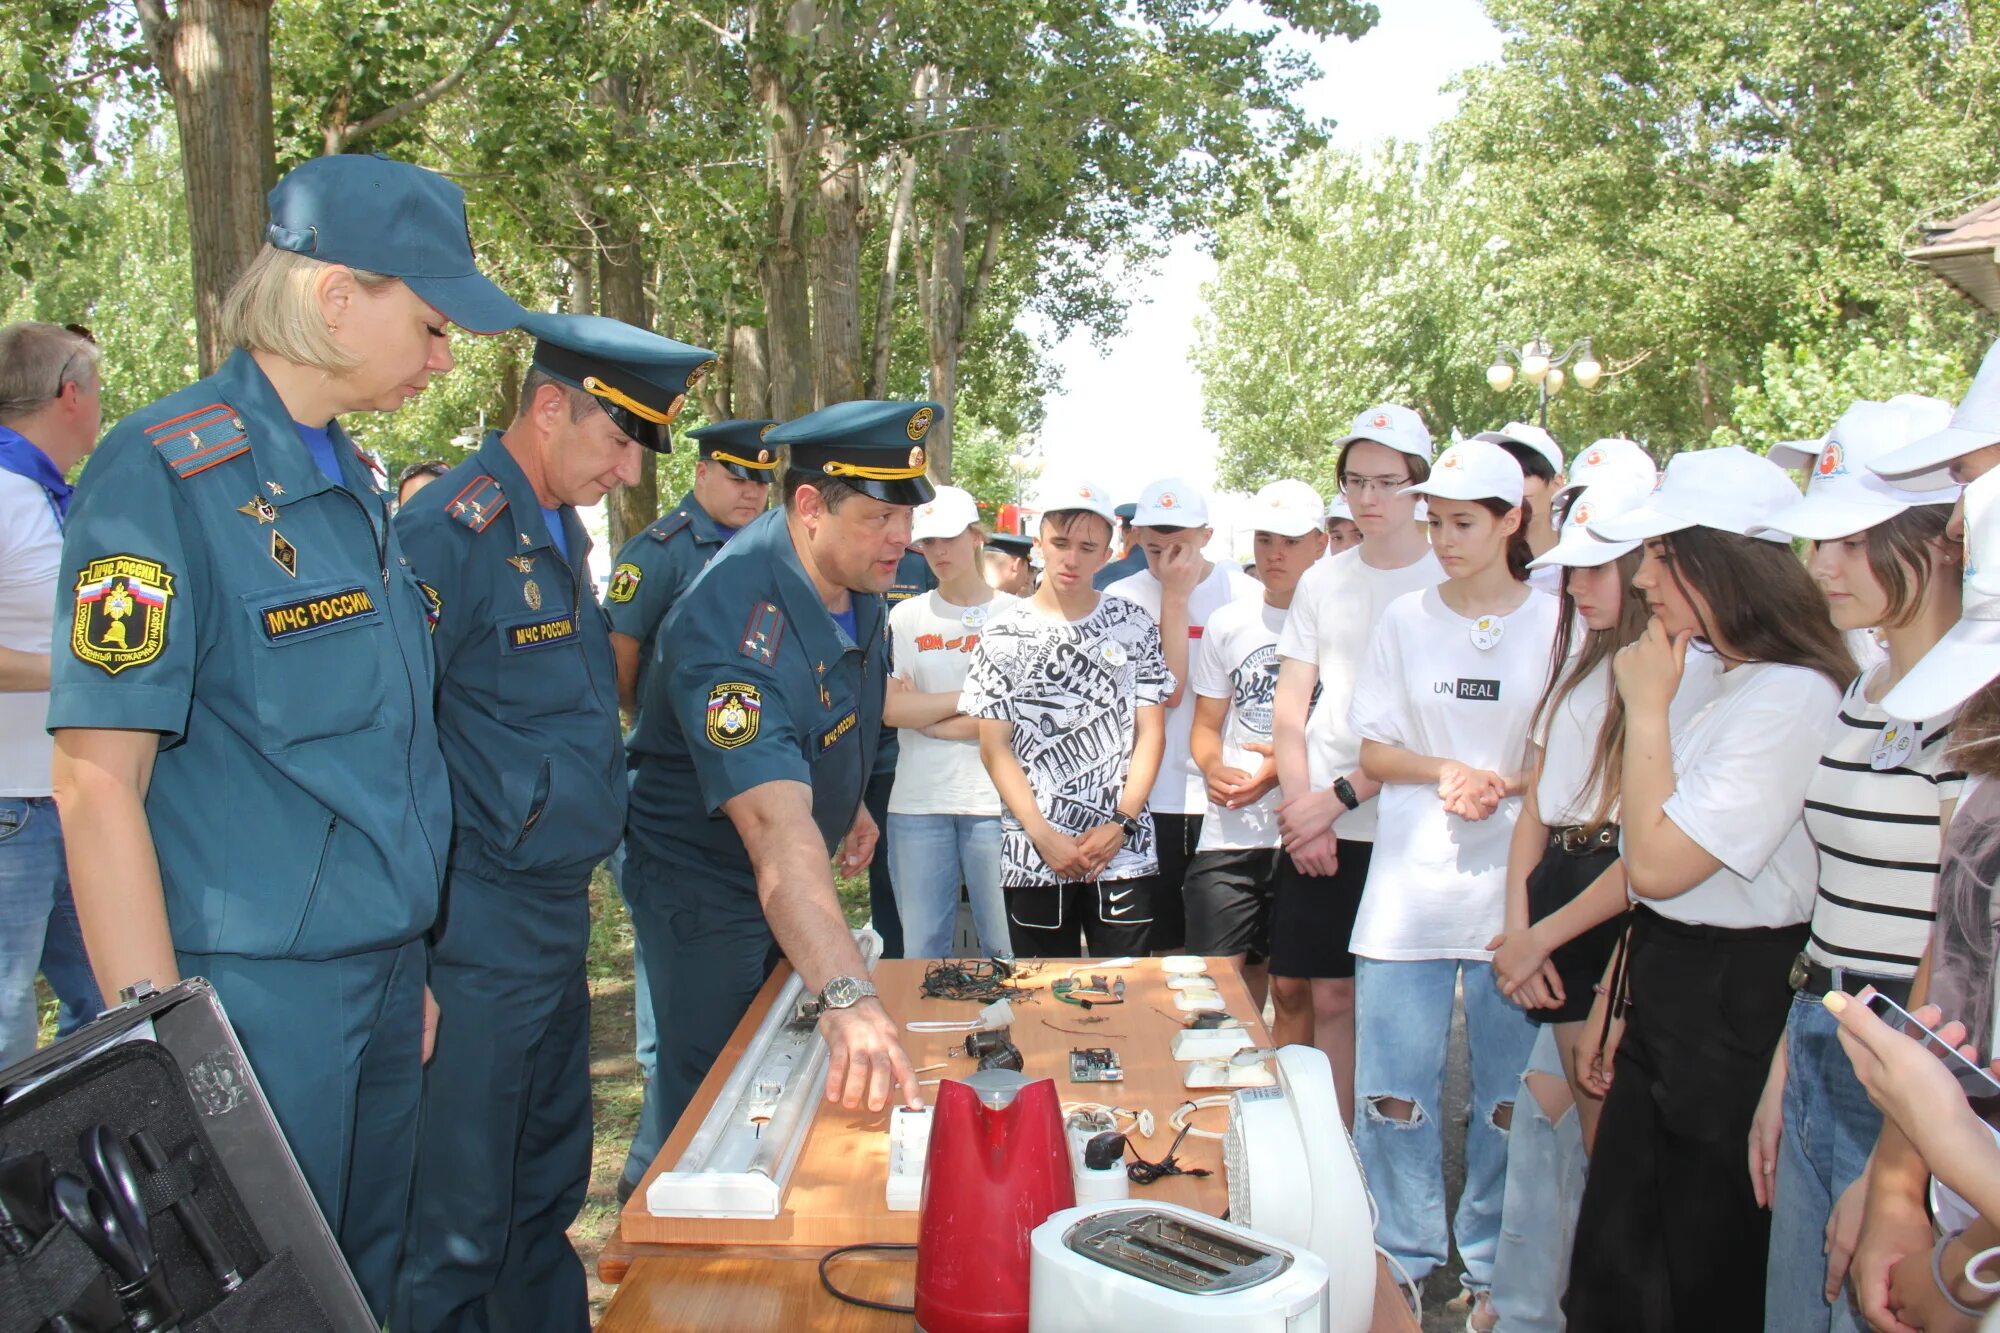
(709, 1273)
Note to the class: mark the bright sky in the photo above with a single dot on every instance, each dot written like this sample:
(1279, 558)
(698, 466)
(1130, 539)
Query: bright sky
(1135, 413)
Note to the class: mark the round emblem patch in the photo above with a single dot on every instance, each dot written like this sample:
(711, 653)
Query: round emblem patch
(699, 373)
(920, 421)
(917, 456)
(1486, 632)
(1832, 461)
(531, 592)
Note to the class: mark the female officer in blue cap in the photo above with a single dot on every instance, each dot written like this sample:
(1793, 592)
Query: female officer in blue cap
(242, 716)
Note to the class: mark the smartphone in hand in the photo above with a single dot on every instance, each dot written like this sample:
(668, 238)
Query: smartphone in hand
(1977, 1083)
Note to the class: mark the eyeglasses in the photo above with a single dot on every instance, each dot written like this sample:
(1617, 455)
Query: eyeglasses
(1353, 485)
(81, 332)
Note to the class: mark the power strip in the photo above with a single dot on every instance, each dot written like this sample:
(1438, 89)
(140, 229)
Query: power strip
(909, 1145)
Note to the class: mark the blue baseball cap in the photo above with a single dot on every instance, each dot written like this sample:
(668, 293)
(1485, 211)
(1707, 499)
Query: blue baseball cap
(875, 447)
(371, 212)
(738, 448)
(640, 379)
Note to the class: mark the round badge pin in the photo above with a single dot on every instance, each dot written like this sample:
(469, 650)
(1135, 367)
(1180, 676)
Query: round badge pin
(974, 617)
(1894, 746)
(1486, 631)
(1114, 652)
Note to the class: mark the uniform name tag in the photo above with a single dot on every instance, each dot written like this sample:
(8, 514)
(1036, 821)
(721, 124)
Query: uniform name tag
(541, 633)
(289, 619)
(839, 729)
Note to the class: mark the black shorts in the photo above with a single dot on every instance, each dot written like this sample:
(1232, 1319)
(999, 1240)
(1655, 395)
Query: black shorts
(1229, 896)
(1101, 920)
(1312, 920)
(1553, 884)
(1176, 837)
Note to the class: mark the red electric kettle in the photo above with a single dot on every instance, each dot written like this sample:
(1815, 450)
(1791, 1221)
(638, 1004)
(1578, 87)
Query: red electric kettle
(998, 1165)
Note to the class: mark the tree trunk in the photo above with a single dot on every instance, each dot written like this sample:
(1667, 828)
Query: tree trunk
(885, 289)
(836, 275)
(214, 56)
(749, 374)
(621, 290)
(944, 323)
(782, 271)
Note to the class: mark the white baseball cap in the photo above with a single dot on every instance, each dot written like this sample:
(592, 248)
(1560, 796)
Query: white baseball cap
(1055, 496)
(1394, 425)
(1473, 470)
(1728, 489)
(1613, 459)
(1171, 502)
(1968, 656)
(1843, 494)
(1576, 547)
(947, 514)
(1974, 425)
(1520, 432)
(1919, 416)
(1338, 510)
(1288, 508)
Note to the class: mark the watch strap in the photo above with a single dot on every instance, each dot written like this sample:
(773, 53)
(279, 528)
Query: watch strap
(1344, 790)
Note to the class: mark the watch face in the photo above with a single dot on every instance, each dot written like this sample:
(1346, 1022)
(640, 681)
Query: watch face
(841, 992)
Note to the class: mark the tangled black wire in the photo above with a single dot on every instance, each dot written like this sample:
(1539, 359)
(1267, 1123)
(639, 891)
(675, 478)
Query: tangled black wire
(983, 979)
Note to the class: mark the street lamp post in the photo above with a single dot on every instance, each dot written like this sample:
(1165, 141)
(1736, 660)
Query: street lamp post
(1541, 367)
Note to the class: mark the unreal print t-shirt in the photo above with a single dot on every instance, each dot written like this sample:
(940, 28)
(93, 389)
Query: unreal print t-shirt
(1072, 689)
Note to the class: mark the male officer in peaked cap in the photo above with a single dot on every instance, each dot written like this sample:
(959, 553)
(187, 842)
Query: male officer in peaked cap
(732, 482)
(757, 733)
(528, 717)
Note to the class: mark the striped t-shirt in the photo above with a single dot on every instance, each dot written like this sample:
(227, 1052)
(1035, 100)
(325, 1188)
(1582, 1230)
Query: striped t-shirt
(1879, 837)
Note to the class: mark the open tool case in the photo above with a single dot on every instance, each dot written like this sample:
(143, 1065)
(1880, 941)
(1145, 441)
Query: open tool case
(164, 1075)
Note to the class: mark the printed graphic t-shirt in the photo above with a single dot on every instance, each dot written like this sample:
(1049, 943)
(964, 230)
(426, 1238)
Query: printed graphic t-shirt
(1072, 689)
(1238, 661)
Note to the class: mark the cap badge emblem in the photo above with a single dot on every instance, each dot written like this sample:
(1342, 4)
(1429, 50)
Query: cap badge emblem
(1167, 501)
(1451, 460)
(917, 456)
(767, 430)
(1379, 420)
(1593, 458)
(764, 455)
(920, 421)
(699, 373)
(1581, 514)
(1832, 460)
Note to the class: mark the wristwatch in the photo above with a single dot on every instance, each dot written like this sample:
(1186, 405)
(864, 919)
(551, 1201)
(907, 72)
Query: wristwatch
(1130, 823)
(843, 993)
(1345, 791)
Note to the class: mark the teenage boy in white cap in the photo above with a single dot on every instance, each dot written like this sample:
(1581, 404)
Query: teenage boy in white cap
(1326, 819)
(1541, 460)
(1181, 588)
(1233, 880)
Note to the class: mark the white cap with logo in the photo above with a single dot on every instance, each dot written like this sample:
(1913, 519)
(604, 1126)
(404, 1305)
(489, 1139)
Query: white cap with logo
(1056, 495)
(1393, 425)
(1613, 459)
(1728, 489)
(1968, 656)
(1171, 502)
(1520, 432)
(1843, 494)
(1473, 470)
(947, 514)
(1288, 508)
(1974, 425)
(1576, 546)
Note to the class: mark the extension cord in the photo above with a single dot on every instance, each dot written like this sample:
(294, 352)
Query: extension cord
(909, 1145)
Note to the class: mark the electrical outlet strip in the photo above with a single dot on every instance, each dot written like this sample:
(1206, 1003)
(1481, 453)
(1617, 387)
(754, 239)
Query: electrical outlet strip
(909, 1145)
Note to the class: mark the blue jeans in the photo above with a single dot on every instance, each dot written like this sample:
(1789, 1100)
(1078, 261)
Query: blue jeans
(38, 928)
(1545, 1167)
(1829, 1130)
(929, 856)
(1402, 1026)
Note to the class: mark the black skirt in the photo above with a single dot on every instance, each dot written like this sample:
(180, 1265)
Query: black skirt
(1554, 884)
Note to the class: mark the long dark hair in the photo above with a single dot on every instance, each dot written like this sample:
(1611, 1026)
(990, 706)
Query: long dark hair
(1567, 672)
(1766, 608)
(1519, 553)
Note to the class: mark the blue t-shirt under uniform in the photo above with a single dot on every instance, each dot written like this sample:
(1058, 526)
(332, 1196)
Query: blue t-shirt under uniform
(319, 443)
(849, 623)
(556, 533)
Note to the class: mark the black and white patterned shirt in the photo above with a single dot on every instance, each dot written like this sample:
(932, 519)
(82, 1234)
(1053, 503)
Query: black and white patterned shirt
(1072, 689)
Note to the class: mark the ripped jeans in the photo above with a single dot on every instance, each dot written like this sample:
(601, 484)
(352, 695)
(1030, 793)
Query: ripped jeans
(1402, 1024)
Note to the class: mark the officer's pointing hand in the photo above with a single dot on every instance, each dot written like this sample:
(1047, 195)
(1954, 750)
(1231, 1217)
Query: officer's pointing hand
(866, 1058)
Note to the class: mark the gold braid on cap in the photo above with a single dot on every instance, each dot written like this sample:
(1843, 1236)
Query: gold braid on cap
(767, 466)
(873, 473)
(599, 389)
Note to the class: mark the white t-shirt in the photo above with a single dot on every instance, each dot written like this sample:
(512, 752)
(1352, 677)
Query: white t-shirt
(1072, 689)
(1437, 882)
(1334, 613)
(1570, 739)
(931, 641)
(1238, 661)
(1741, 768)
(30, 557)
(1548, 579)
(1224, 584)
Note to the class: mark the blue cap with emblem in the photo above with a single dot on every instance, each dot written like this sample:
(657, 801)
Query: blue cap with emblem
(875, 447)
(640, 379)
(738, 448)
(374, 213)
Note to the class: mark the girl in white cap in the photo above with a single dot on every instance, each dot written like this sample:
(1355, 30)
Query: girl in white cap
(944, 815)
(1718, 859)
(1442, 707)
(1875, 808)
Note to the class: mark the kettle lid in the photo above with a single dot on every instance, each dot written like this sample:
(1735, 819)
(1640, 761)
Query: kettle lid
(996, 1088)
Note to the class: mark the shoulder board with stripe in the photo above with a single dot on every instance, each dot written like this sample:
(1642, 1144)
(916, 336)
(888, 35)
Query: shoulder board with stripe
(196, 441)
(478, 504)
(671, 524)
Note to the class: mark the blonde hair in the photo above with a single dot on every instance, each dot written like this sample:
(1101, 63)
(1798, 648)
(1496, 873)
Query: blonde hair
(274, 308)
(36, 360)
